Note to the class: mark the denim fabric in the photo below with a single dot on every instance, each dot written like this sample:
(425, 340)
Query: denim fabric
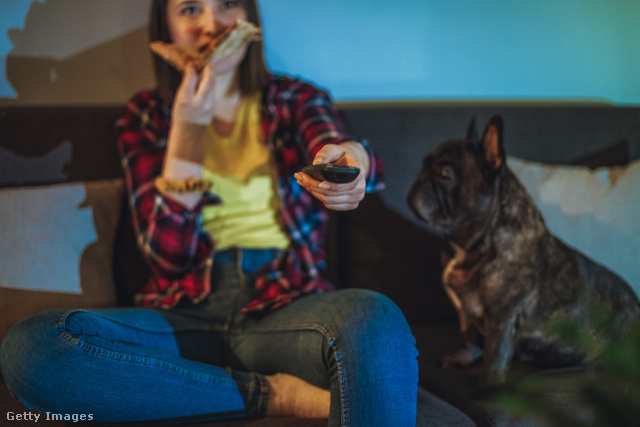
(208, 361)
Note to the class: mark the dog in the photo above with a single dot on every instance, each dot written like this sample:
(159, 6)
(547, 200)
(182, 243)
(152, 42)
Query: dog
(504, 272)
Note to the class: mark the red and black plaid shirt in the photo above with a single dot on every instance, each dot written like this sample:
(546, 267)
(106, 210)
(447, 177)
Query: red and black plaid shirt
(298, 120)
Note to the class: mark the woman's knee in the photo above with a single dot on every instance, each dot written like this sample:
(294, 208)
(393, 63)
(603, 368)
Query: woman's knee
(370, 317)
(27, 350)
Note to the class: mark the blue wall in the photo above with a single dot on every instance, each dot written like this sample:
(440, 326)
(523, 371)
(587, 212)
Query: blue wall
(459, 49)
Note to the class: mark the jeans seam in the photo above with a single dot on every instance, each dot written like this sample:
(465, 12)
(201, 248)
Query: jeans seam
(127, 358)
(341, 380)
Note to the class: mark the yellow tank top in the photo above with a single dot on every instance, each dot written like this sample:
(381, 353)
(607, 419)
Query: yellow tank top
(244, 177)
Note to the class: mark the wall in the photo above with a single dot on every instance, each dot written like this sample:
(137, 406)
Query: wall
(94, 51)
(73, 51)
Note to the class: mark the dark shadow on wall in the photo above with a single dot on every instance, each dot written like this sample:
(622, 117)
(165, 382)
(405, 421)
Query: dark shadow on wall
(106, 73)
(109, 73)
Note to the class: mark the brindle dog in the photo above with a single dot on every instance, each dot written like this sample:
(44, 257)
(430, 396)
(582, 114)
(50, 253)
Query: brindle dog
(505, 273)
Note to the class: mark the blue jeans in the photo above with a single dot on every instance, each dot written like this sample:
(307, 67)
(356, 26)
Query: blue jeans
(208, 361)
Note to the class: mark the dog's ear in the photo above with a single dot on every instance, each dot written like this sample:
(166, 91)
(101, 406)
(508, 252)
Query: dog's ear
(492, 144)
(472, 131)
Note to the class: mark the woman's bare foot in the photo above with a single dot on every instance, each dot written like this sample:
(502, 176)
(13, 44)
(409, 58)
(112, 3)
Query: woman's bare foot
(291, 396)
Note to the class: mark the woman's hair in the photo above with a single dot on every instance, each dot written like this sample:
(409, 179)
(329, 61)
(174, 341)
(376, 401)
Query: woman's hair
(251, 72)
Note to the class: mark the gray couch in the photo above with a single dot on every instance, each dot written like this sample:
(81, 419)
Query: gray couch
(379, 246)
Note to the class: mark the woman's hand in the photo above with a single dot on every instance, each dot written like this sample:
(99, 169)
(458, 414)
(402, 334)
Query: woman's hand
(339, 197)
(192, 112)
(194, 101)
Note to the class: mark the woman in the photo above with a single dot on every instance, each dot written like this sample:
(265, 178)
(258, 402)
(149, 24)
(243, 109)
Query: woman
(237, 320)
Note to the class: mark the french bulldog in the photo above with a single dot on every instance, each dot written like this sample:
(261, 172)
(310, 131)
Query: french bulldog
(504, 272)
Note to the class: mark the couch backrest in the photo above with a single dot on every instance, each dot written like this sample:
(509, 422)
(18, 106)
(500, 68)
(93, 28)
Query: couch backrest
(380, 245)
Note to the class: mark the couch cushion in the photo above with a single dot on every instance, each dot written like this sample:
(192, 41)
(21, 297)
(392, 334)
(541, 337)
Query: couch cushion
(56, 247)
(595, 211)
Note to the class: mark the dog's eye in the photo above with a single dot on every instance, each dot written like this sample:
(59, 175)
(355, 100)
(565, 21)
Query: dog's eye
(446, 172)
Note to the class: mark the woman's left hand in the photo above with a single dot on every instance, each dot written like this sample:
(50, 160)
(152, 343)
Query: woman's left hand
(339, 197)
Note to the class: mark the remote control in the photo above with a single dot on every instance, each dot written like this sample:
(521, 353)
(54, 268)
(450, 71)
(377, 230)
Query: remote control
(332, 173)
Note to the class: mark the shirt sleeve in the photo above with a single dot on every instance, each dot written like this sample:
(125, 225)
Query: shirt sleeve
(318, 123)
(169, 235)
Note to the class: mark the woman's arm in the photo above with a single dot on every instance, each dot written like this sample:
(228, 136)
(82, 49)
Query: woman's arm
(168, 232)
(192, 111)
(321, 132)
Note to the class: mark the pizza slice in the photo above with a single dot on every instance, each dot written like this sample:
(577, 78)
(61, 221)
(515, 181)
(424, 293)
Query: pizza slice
(219, 46)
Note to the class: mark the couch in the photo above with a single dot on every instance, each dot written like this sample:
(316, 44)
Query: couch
(579, 161)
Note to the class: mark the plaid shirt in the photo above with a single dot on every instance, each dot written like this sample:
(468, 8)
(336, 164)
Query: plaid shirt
(298, 120)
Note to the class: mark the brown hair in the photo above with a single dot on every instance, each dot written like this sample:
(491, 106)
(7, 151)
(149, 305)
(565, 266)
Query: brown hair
(251, 72)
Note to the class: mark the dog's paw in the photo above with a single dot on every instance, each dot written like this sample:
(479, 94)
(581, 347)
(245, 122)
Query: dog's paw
(468, 354)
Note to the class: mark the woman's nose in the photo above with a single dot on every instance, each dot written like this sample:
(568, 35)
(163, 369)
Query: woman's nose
(211, 25)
